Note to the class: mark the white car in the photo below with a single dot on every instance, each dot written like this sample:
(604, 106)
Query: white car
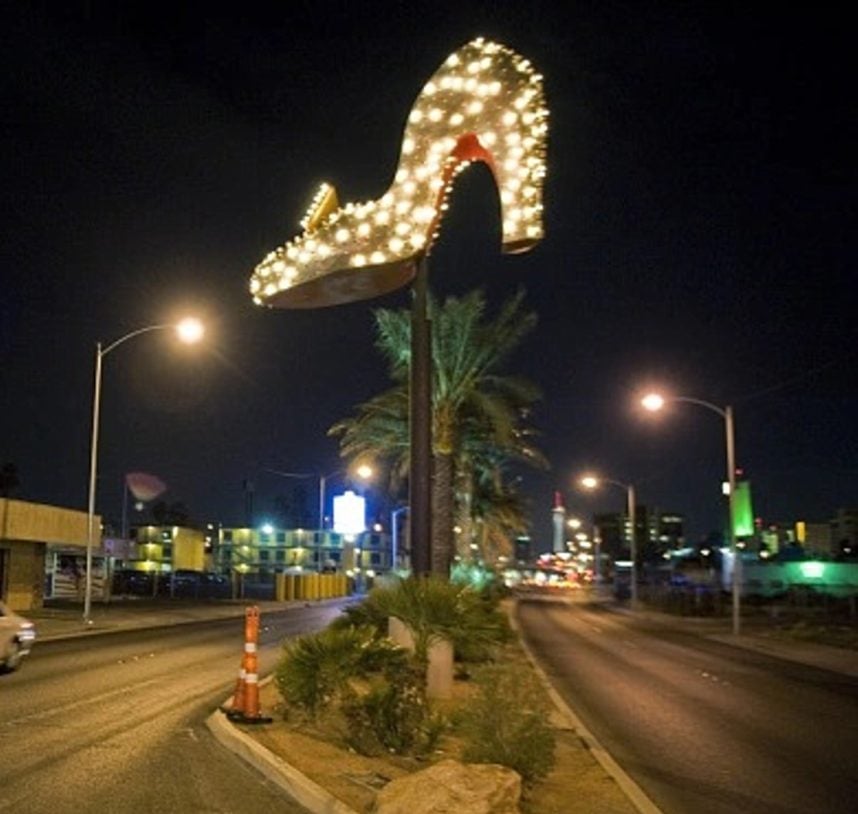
(16, 638)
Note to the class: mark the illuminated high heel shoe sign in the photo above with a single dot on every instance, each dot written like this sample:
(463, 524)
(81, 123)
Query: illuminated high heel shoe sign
(485, 103)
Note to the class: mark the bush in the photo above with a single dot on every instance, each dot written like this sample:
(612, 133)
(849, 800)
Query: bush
(492, 625)
(507, 722)
(393, 716)
(434, 608)
(316, 670)
(362, 614)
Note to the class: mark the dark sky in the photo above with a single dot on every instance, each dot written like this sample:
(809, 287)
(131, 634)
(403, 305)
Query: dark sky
(700, 217)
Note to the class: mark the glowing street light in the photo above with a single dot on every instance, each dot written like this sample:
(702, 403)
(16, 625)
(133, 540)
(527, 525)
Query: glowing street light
(654, 402)
(189, 331)
(592, 482)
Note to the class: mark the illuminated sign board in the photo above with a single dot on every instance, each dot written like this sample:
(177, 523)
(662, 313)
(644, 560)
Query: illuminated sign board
(743, 513)
(485, 103)
(349, 513)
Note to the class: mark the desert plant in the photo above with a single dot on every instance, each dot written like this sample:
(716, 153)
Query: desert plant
(317, 669)
(507, 722)
(362, 614)
(392, 716)
(433, 608)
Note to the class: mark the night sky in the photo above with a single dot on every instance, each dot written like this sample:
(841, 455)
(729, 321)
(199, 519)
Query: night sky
(700, 221)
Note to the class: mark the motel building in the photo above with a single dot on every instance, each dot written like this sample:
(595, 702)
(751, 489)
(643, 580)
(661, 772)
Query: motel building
(37, 539)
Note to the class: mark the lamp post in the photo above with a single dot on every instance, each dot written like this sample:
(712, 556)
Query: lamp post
(591, 482)
(654, 402)
(189, 330)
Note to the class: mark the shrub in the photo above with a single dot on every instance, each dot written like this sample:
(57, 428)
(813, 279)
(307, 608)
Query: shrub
(393, 716)
(434, 608)
(507, 722)
(362, 614)
(317, 669)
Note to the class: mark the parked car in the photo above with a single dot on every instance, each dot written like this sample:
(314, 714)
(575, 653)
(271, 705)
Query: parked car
(197, 585)
(16, 638)
(137, 583)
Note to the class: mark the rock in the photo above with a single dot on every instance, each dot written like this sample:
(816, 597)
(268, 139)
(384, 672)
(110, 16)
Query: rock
(450, 787)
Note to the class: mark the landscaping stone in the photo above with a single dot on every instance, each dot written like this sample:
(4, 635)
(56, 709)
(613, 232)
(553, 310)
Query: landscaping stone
(451, 787)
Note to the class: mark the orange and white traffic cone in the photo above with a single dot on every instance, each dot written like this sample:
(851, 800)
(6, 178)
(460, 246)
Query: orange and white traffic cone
(245, 702)
(237, 706)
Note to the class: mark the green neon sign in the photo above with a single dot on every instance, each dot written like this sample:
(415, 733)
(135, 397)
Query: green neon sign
(743, 512)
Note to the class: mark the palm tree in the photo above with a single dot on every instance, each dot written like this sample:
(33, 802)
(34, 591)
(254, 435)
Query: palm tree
(477, 414)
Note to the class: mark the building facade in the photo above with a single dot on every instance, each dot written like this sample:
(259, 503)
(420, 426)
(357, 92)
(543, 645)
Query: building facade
(657, 532)
(266, 551)
(26, 532)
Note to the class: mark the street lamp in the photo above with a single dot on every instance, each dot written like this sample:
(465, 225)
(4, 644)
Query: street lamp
(654, 402)
(591, 482)
(189, 330)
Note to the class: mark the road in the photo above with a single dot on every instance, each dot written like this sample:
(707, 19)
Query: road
(702, 726)
(116, 722)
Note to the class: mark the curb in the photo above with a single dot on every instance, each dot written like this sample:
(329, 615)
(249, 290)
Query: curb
(636, 795)
(298, 786)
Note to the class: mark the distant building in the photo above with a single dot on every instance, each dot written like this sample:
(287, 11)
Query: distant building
(523, 549)
(27, 530)
(268, 550)
(830, 539)
(656, 532)
(167, 548)
(844, 532)
(817, 538)
(667, 531)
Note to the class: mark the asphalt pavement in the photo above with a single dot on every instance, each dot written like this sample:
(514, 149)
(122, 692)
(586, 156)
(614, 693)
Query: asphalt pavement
(61, 620)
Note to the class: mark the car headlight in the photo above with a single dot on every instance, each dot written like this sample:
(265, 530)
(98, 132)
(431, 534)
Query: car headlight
(27, 633)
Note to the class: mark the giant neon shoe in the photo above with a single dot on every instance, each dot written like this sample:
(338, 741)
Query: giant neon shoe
(485, 103)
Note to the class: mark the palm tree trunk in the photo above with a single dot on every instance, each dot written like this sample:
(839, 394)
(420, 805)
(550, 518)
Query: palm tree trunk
(442, 514)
